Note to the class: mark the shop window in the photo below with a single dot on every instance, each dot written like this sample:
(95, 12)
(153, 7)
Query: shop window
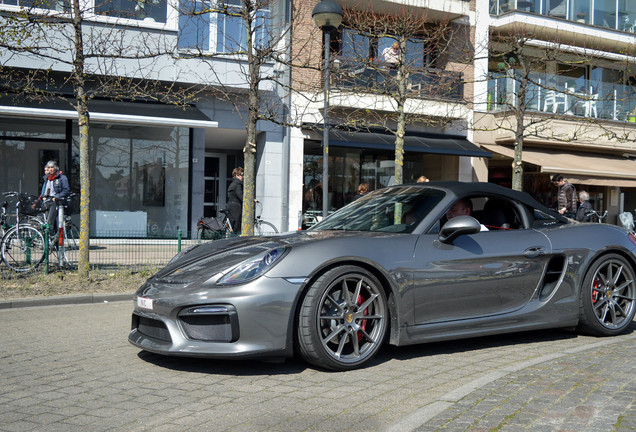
(139, 174)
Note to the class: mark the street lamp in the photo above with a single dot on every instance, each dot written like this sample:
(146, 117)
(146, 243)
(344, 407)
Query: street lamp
(327, 15)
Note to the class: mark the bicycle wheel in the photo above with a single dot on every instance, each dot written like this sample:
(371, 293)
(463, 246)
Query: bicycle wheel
(264, 228)
(71, 244)
(23, 248)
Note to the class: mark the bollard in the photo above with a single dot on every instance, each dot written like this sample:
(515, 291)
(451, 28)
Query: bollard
(60, 234)
(46, 248)
(178, 240)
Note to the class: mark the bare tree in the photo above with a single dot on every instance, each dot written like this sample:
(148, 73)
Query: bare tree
(527, 99)
(69, 50)
(429, 56)
(258, 83)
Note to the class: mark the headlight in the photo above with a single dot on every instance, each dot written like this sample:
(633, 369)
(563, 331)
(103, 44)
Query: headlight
(253, 267)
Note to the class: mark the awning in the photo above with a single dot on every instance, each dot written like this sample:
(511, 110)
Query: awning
(439, 144)
(115, 112)
(580, 168)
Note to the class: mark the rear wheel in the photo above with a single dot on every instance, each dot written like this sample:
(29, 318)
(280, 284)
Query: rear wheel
(343, 319)
(23, 248)
(265, 228)
(606, 305)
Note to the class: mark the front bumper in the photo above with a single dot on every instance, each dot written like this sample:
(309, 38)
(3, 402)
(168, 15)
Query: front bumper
(251, 320)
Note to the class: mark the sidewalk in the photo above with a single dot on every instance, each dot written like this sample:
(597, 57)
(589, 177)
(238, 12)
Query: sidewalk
(65, 300)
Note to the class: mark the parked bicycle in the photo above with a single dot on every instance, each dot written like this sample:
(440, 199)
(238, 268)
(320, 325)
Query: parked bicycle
(597, 216)
(23, 247)
(221, 227)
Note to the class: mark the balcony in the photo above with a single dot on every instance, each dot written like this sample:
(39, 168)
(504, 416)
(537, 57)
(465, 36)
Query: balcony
(562, 95)
(380, 78)
(619, 15)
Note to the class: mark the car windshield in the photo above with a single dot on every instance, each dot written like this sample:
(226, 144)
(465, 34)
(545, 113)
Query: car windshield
(395, 209)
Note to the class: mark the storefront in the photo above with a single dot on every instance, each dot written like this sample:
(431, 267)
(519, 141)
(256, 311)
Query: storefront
(139, 163)
(610, 180)
(356, 157)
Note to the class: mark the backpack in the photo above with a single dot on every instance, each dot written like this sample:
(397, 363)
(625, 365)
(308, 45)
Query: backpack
(209, 228)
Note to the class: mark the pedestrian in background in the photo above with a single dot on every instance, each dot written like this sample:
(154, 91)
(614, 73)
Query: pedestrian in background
(235, 199)
(566, 196)
(583, 213)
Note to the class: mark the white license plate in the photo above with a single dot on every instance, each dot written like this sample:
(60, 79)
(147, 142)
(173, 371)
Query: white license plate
(144, 303)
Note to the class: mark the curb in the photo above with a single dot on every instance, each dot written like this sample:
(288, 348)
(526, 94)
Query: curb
(65, 300)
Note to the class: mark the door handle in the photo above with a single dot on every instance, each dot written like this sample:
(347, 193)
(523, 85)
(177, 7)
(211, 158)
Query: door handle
(534, 252)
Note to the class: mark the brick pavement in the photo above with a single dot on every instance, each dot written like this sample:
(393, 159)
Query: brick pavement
(70, 368)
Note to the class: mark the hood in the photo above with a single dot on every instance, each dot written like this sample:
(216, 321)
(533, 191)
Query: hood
(208, 259)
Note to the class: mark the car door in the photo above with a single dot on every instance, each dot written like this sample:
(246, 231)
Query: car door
(488, 273)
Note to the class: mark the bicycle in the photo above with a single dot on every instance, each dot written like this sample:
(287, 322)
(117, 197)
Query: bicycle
(223, 226)
(23, 247)
(596, 216)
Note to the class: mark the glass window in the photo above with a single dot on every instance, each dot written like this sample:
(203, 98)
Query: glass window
(627, 15)
(388, 210)
(139, 174)
(556, 8)
(194, 29)
(581, 11)
(232, 33)
(355, 46)
(58, 5)
(605, 13)
(151, 10)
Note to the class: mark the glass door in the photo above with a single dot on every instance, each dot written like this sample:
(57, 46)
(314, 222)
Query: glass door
(215, 178)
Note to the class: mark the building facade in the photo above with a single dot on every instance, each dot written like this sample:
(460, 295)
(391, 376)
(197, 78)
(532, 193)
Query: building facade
(564, 71)
(158, 161)
(437, 73)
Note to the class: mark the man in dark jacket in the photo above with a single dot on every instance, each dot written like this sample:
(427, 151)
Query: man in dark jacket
(235, 199)
(583, 213)
(54, 190)
(566, 198)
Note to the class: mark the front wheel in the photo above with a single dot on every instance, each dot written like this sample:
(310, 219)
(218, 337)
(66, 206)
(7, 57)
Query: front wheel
(22, 248)
(264, 228)
(606, 305)
(343, 319)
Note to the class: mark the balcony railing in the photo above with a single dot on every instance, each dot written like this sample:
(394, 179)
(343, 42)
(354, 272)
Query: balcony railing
(614, 15)
(555, 94)
(380, 78)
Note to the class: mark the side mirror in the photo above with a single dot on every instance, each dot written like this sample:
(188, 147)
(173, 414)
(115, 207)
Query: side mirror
(457, 226)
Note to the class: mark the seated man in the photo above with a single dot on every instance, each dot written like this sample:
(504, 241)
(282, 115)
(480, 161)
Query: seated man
(462, 207)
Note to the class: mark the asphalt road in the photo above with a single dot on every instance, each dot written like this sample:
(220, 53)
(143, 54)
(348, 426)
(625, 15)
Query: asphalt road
(71, 368)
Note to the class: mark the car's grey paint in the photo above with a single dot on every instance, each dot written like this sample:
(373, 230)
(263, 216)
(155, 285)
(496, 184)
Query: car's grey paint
(430, 284)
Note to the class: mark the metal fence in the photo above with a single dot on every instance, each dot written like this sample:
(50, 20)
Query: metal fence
(119, 250)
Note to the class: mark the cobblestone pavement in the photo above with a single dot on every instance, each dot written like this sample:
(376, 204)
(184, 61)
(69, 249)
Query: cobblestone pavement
(71, 368)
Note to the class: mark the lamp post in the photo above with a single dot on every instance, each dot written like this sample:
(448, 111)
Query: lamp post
(327, 15)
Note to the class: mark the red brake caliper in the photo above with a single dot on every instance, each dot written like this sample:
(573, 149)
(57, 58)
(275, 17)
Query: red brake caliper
(595, 292)
(363, 323)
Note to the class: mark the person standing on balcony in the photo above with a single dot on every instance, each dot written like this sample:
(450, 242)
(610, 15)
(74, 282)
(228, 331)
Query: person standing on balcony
(391, 54)
(235, 199)
(566, 197)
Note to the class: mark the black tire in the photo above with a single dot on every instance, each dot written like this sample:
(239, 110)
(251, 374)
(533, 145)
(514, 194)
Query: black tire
(265, 228)
(343, 319)
(606, 305)
(22, 248)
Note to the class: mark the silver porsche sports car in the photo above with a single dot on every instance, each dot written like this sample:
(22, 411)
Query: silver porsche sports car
(402, 265)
